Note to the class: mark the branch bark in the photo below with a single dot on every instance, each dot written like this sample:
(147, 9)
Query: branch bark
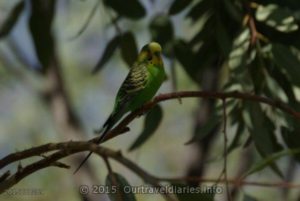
(69, 148)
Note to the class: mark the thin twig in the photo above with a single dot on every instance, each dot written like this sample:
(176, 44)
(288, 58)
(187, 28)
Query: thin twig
(235, 182)
(71, 148)
(87, 21)
(119, 129)
(112, 176)
(199, 94)
(225, 149)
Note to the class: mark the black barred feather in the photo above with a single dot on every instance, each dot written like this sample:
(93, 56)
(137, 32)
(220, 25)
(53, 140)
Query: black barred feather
(135, 81)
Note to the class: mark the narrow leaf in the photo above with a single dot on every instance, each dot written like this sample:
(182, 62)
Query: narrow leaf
(130, 8)
(151, 124)
(178, 6)
(211, 125)
(199, 9)
(262, 132)
(118, 188)
(87, 22)
(108, 52)
(40, 25)
(284, 58)
(260, 165)
(291, 137)
(11, 20)
(282, 80)
(236, 140)
(223, 38)
(185, 56)
(162, 29)
(129, 50)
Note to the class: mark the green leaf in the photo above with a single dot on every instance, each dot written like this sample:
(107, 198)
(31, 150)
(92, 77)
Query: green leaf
(212, 123)
(130, 8)
(11, 20)
(238, 56)
(161, 29)
(257, 72)
(282, 80)
(269, 160)
(236, 140)
(277, 17)
(151, 124)
(223, 38)
(117, 188)
(285, 59)
(233, 11)
(199, 9)
(40, 26)
(87, 22)
(291, 137)
(194, 193)
(108, 52)
(178, 6)
(186, 58)
(129, 50)
(262, 133)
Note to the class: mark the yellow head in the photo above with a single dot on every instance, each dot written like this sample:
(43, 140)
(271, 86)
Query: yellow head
(151, 53)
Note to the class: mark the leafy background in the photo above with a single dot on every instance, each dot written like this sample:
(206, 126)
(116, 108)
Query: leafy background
(214, 45)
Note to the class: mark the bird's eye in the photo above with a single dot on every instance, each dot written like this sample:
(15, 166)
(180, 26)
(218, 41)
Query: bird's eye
(149, 57)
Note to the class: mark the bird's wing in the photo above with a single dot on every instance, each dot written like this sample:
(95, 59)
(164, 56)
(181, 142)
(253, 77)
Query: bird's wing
(135, 81)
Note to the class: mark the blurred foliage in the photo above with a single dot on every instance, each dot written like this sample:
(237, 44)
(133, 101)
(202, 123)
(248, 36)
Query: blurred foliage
(117, 188)
(257, 42)
(11, 19)
(151, 124)
(191, 193)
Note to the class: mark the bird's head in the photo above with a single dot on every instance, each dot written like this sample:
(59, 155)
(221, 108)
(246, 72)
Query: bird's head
(151, 53)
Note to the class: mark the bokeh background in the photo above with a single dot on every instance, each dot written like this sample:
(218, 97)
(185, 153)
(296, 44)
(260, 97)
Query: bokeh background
(208, 45)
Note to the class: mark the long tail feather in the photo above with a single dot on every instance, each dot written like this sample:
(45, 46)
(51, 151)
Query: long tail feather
(90, 153)
(106, 127)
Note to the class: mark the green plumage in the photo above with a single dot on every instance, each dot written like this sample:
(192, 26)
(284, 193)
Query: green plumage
(141, 84)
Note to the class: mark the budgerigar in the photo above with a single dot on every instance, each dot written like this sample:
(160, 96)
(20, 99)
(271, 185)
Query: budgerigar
(141, 84)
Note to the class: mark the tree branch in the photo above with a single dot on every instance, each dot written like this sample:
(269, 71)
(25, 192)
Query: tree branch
(119, 129)
(70, 148)
(64, 149)
(235, 182)
(122, 126)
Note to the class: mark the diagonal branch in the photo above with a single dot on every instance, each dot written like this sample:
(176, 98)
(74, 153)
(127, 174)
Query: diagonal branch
(69, 148)
(122, 126)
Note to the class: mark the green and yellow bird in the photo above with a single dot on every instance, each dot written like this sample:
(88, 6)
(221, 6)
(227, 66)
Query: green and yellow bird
(141, 84)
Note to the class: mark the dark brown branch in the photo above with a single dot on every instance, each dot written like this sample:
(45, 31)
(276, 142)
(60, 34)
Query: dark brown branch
(71, 148)
(235, 182)
(200, 94)
(119, 129)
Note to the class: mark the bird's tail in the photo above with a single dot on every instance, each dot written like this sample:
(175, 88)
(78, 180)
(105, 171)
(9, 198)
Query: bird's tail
(104, 130)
